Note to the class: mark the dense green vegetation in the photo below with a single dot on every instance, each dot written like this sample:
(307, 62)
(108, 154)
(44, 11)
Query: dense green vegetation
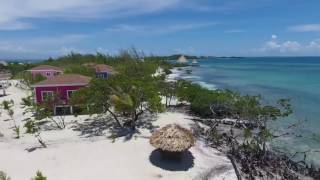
(135, 90)
(73, 63)
(129, 94)
(17, 68)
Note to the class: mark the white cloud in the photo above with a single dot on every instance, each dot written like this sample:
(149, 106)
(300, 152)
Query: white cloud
(13, 13)
(14, 48)
(189, 26)
(315, 44)
(274, 46)
(283, 47)
(159, 29)
(15, 25)
(40, 46)
(228, 5)
(126, 28)
(306, 28)
(290, 46)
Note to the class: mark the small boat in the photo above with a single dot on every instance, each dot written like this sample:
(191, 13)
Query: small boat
(194, 63)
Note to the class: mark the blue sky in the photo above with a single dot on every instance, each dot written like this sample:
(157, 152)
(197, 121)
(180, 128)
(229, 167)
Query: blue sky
(42, 28)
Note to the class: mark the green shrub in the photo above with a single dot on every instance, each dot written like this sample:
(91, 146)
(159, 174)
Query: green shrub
(39, 176)
(3, 176)
(16, 129)
(79, 69)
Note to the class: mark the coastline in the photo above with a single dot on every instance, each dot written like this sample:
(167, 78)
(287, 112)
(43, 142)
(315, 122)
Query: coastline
(181, 73)
(301, 166)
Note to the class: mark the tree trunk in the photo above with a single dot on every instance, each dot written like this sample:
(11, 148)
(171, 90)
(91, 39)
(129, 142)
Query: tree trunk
(135, 118)
(166, 101)
(170, 101)
(236, 169)
(115, 117)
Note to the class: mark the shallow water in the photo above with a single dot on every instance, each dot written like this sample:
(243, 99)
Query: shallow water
(273, 78)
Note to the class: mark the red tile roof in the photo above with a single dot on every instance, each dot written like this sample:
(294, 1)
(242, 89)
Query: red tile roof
(100, 68)
(65, 80)
(45, 67)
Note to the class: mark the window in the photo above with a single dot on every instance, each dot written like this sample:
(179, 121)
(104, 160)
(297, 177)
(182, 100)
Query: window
(99, 75)
(56, 73)
(63, 110)
(48, 73)
(70, 92)
(47, 95)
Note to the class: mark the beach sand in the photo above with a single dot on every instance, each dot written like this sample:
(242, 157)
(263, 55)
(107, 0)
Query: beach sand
(83, 151)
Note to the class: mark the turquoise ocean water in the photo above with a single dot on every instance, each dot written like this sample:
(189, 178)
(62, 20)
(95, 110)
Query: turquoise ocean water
(295, 78)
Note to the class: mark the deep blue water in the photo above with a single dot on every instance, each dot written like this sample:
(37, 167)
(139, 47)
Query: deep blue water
(273, 78)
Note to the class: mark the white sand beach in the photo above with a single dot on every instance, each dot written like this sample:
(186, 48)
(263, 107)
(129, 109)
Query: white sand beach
(84, 150)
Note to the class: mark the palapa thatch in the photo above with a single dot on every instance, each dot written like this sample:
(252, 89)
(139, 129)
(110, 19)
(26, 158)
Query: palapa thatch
(182, 59)
(172, 138)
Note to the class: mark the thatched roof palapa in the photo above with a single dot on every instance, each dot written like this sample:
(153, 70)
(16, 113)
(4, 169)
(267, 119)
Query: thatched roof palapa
(172, 138)
(182, 59)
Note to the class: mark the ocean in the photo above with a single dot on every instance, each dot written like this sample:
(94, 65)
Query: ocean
(296, 78)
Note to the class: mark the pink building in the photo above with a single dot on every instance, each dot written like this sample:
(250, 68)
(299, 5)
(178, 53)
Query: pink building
(46, 71)
(59, 89)
(104, 71)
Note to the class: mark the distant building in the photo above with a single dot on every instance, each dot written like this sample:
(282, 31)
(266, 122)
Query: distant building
(104, 71)
(59, 89)
(46, 71)
(182, 59)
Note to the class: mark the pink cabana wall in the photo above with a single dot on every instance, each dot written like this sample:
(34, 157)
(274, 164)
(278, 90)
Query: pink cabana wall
(61, 90)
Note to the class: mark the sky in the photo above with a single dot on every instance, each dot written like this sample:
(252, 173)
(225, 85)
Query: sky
(36, 29)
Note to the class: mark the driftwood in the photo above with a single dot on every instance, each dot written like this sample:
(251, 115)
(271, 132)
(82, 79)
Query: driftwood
(236, 169)
(226, 121)
(262, 165)
(253, 165)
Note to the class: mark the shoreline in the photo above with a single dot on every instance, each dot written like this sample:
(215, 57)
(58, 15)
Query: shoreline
(178, 74)
(301, 166)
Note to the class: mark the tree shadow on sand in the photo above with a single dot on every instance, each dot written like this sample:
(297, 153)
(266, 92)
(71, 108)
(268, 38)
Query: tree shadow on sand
(31, 149)
(4, 95)
(93, 126)
(183, 163)
(146, 122)
(106, 125)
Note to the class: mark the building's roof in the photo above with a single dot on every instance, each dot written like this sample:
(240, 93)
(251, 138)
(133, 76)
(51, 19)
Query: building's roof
(65, 80)
(45, 67)
(182, 59)
(101, 68)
